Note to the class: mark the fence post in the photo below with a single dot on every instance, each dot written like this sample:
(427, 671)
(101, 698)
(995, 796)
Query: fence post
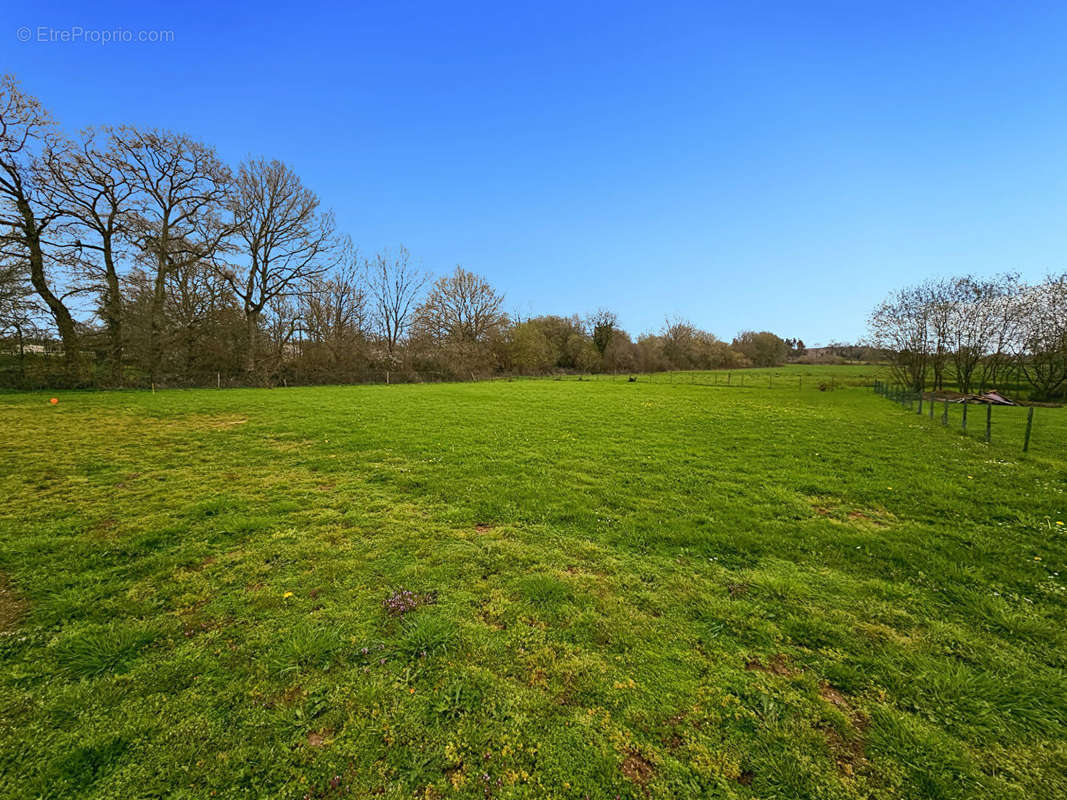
(988, 423)
(1029, 427)
(964, 418)
(920, 404)
(931, 405)
(944, 414)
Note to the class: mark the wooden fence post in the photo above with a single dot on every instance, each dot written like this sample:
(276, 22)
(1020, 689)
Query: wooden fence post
(988, 423)
(965, 419)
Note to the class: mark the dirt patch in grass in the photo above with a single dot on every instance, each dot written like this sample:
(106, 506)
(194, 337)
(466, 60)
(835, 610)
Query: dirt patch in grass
(483, 527)
(837, 510)
(637, 770)
(318, 738)
(12, 606)
(849, 752)
(737, 589)
(778, 665)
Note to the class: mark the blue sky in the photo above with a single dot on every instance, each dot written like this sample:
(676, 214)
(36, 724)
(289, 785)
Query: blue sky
(745, 165)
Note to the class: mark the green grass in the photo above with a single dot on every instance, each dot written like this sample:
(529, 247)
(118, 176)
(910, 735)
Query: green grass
(653, 589)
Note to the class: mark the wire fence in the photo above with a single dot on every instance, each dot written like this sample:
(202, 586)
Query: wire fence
(1014, 424)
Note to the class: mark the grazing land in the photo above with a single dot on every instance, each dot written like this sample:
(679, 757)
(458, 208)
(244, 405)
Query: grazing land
(530, 589)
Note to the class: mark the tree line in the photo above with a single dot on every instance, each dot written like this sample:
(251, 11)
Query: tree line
(974, 333)
(132, 256)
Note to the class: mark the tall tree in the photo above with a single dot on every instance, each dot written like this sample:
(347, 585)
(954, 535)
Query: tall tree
(461, 307)
(899, 328)
(182, 189)
(334, 311)
(90, 191)
(286, 241)
(395, 285)
(26, 130)
(1044, 356)
(461, 317)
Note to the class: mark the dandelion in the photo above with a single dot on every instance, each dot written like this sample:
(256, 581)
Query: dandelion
(1058, 522)
(1037, 558)
(287, 595)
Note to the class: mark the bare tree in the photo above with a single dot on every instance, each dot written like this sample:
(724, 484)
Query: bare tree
(974, 322)
(335, 315)
(899, 328)
(181, 190)
(1008, 316)
(88, 188)
(937, 297)
(461, 317)
(1044, 357)
(27, 129)
(287, 241)
(461, 307)
(394, 284)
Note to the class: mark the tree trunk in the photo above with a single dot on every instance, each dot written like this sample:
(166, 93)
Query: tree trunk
(155, 328)
(60, 313)
(113, 310)
(252, 322)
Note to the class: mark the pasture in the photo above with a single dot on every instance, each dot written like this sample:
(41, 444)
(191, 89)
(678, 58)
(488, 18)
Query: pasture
(529, 589)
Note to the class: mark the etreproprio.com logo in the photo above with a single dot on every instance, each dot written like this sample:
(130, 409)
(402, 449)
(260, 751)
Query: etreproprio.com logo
(77, 34)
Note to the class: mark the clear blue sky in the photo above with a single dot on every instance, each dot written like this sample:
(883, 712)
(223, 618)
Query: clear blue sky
(745, 165)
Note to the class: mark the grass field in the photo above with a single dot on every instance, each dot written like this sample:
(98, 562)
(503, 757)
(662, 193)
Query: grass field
(529, 589)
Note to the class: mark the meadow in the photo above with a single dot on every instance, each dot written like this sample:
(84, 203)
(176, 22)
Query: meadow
(530, 589)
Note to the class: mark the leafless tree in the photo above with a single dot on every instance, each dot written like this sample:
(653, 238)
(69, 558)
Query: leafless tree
(394, 285)
(181, 189)
(286, 240)
(461, 317)
(334, 309)
(92, 195)
(1044, 358)
(974, 322)
(1009, 314)
(937, 297)
(461, 307)
(26, 130)
(899, 328)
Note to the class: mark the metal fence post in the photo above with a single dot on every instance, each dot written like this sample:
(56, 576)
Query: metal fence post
(988, 423)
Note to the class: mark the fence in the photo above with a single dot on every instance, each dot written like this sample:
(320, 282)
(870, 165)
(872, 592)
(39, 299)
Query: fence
(938, 408)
